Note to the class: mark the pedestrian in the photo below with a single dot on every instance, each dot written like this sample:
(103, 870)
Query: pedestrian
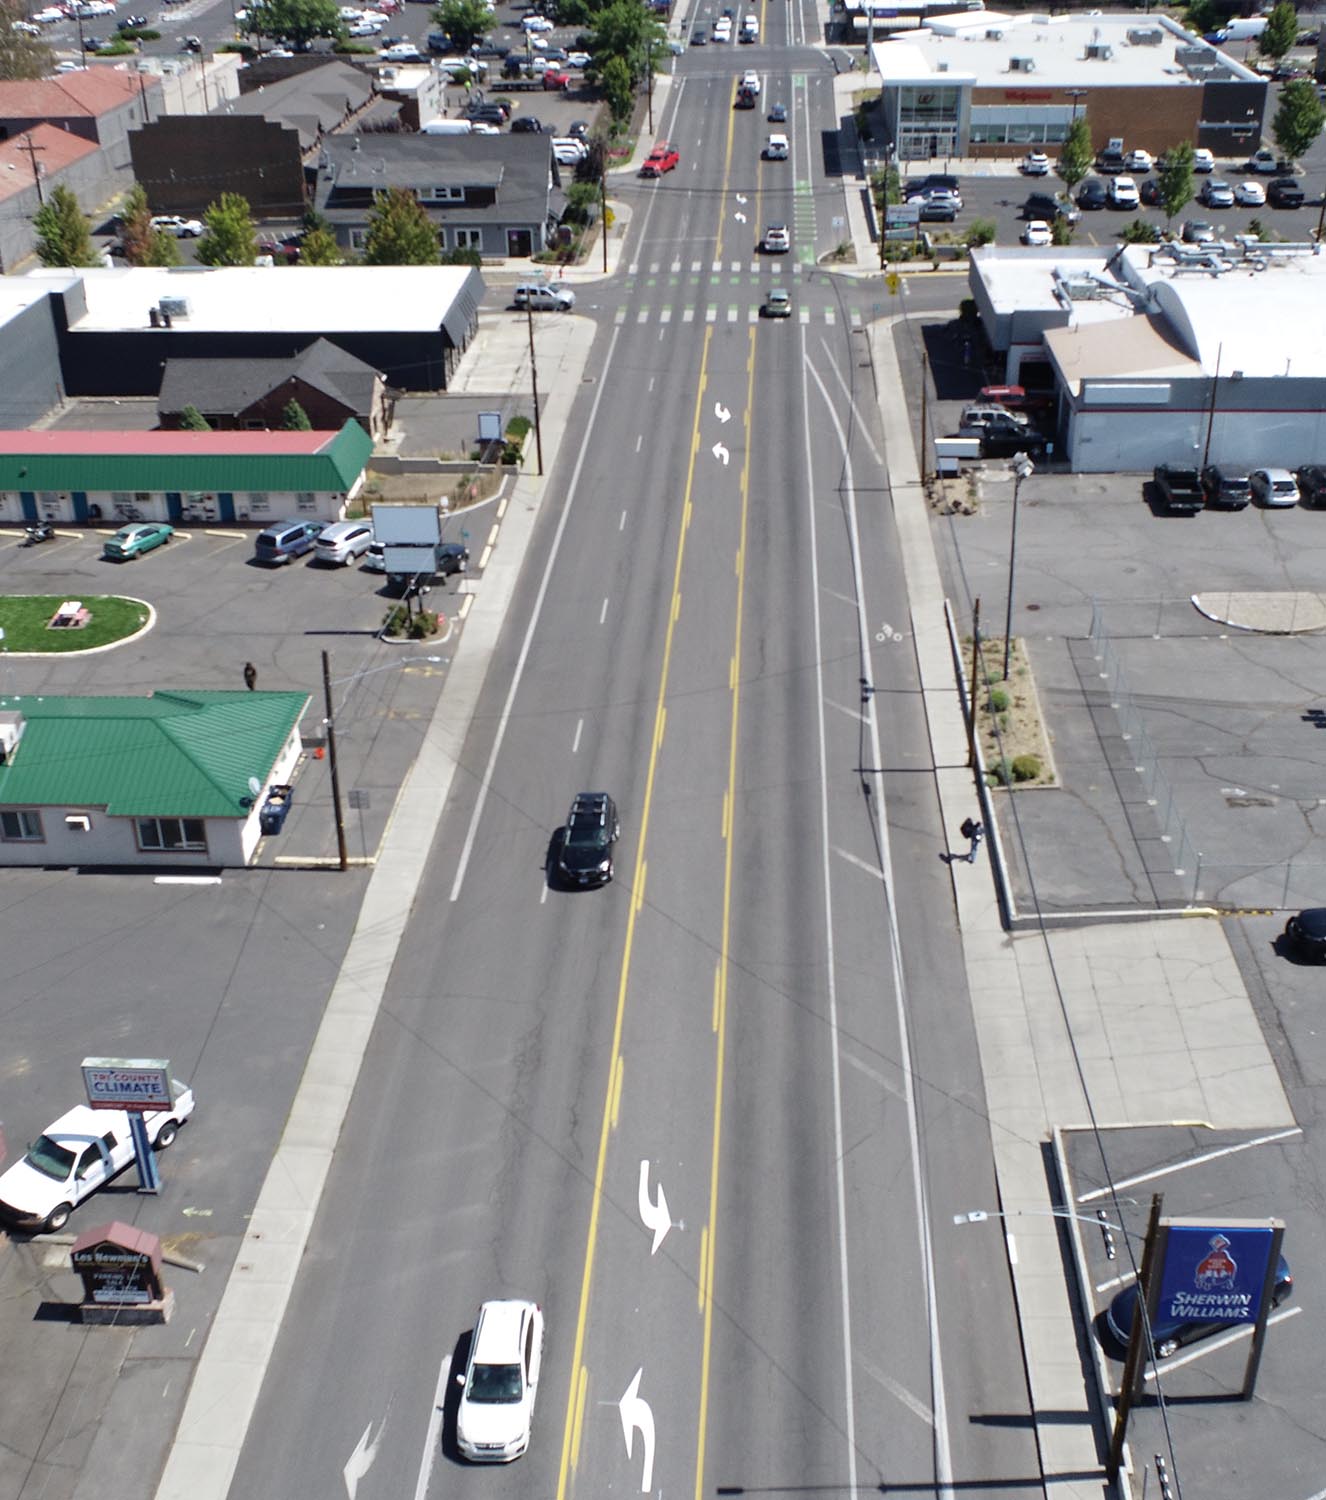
(974, 830)
(250, 675)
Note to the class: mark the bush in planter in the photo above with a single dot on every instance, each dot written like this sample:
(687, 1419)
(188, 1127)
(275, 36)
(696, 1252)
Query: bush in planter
(998, 700)
(1000, 773)
(1026, 768)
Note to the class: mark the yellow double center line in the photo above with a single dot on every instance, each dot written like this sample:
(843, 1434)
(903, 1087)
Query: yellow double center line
(578, 1389)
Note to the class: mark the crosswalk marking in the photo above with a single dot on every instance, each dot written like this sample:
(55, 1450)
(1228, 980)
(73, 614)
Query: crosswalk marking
(688, 314)
(718, 265)
(829, 316)
(732, 314)
(711, 315)
(621, 315)
(736, 266)
(676, 266)
(695, 268)
(856, 318)
(653, 268)
(665, 316)
(805, 315)
(752, 315)
(643, 315)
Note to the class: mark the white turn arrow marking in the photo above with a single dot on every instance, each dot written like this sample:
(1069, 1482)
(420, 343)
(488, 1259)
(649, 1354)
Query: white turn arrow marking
(721, 412)
(361, 1460)
(739, 217)
(636, 1413)
(654, 1214)
(720, 453)
(741, 197)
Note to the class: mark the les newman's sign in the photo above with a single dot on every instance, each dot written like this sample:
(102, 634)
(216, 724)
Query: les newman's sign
(1029, 96)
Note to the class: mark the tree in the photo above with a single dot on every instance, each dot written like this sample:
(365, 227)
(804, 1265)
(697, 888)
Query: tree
(1299, 119)
(626, 30)
(294, 418)
(22, 55)
(230, 239)
(143, 245)
(1075, 155)
(615, 78)
(582, 198)
(400, 233)
(297, 20)
(192, 420)
(464, 21)
(1175, 180)
(1281, 31)
(63, 237)
(319, 248)
(1140, 232)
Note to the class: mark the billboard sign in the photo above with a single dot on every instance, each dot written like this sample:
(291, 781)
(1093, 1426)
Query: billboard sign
(407, 525)
(132, 1083)
(1214, 1272)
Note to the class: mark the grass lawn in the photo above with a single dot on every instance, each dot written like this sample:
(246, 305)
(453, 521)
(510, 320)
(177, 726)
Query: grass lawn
(23, 619)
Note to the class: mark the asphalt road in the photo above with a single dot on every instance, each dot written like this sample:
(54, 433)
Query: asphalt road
(763, 1016)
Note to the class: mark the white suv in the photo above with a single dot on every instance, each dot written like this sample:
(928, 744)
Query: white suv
(501, 1380)
(343, 542)
(750, 79)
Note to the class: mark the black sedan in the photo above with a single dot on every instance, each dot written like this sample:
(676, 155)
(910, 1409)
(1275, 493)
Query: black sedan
(1168, 1334)
(1093, 194)
(1306, 933)
(1312, 484)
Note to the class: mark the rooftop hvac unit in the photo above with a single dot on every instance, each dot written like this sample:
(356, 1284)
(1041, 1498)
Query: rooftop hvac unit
(1100, 51)
(941, 67)
(1145, 36)
(1022, 65)
(175, 307)
(994, 35)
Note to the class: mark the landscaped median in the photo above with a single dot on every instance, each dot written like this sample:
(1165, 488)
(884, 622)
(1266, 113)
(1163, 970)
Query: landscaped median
(52, 624)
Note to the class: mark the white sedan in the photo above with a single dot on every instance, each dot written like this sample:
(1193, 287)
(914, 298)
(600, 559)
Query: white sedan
(537, 23)
(181, 228)
(1037, 232)
(1139, 160)
(1035, 164)
(364, 28)
(49, 16)
(78, 1154)
(1250, 195)
(501, 1380)
(578, 59)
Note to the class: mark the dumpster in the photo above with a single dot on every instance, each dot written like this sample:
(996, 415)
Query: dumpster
(276, 808)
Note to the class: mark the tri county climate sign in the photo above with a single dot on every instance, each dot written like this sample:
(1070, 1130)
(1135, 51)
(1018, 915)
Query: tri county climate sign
(132, 1083)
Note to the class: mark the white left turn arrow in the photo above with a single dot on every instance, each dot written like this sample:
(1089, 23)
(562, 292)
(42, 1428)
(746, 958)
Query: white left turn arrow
(739, 217)
(741, 197)
(654, 1213)
(720, 453)
(361, 1460)
(721, 412)
(636, 1413)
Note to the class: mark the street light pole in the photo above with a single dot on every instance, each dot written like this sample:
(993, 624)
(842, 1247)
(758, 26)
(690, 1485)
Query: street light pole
(337, 813)
(534, 383)
(1023, 468)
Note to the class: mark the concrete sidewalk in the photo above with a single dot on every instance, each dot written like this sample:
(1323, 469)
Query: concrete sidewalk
(1150, 1022)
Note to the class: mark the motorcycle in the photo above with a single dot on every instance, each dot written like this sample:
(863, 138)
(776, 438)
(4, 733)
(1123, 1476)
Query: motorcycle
(43, 531)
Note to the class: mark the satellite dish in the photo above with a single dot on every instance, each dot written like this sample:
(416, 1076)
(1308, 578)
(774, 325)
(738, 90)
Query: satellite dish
(255, 786)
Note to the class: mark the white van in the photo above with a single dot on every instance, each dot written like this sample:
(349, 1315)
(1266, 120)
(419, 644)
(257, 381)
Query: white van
(447, 127)
(750, 29)
(544, 298)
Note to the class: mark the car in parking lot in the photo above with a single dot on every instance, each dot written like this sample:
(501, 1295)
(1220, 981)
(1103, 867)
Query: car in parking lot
(448, 558)
(1111, 160)
(1123, 193)
(342, 542)
(1275, 488)
(1037, 232)
(777, 303)
(584, 844)
(1149, 192)
(1265, 161)
(1225, 487)
(78, 1154)
(579, 60)
(1312, 484)
(1285, 192)
(663, 158)
(1203, 160)
(1197, 232)
(569, 152)
(930, 183)
(526, 125)
(536, 23)
(1139, 160)
(939, 206)
(283, 541)
(1216, 193)
(1092, 194)
(777, 240)
(1249, 194)
(1035, 164)
(1169, 1335)
(178, 226)
(133, 541)
(1305, 933)
(978, 419)
(1049, 206)
(495, 1413)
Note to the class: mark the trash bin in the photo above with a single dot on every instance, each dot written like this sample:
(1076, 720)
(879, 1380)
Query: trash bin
(276, 808)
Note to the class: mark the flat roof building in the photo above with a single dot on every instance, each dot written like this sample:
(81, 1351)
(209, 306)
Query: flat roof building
(993, 85)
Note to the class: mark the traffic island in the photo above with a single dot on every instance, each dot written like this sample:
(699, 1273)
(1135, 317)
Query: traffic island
(53, 625)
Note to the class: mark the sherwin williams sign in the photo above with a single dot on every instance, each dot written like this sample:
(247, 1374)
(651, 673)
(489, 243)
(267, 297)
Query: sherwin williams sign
(127, 1082)
(1214, 1273)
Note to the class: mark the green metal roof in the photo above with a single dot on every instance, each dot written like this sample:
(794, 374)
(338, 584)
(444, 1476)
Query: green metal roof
(156, 462)
(175, 753)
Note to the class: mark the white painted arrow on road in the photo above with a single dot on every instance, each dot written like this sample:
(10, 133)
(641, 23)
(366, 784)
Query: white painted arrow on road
(361, 1460)
(739, 217)
(721, 412)
(654, 1214)
(636, 1413)
(741, 197)
(720, 453)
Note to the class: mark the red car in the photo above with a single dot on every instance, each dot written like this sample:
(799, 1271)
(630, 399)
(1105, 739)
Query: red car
(661, 159)
(554, 80)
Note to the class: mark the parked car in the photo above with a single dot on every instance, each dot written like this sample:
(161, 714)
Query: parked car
(1037, 232)
(448, 558)
(132, 541)
(578, 59)
(584, 846)
(78, 1154)
(1035, 164)
(1305, 933)
(777, 240)
(342, 542)
(1123, 193)
(1312, 484)
(1274, 488)
(1285, 192)
(924, 185)
(1049, 206)
(1216, 193)
(1092, 194)
(1249, 194)
(777, 304)
(1225, 487)
(554, 78)
(283, 541)
(1149, 192)
(178, 226)
(978, 418)
(526, 125)
(1016, 398)
(1264, 161)
(1180, 488)
(536, 23)
(1111, 161)
(495, 1413)
(1203, 160)
(1197, 232)
(1168, 1335)
(939, 207)
(1139, 160)
(663, 158)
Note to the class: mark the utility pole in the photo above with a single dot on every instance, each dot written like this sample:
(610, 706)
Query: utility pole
(27, 144)
(649, 68)
(534, 381)
(925, 384)
(603, 208)
(1211, 408)
(331, 761)
(1136, 1358)
(975, 678)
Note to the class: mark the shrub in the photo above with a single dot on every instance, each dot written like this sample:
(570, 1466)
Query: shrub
(517, 429)
(1026, 768)
(981, 232)
(1000, 773)
(998, 700)
(1139, 232)
(511, 453)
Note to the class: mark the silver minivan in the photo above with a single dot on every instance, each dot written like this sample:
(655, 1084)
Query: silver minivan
(544, 298)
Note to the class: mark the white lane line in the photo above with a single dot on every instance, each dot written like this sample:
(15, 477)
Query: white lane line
(861, 864)
(873, 1074)
(433, 1438)
(943, 1456)
(517, 676)
(900, 1393)
(862, 426)
(639, 440)
(603, 613)
(575, 743)
(852, 713)
(835, 1051)
(621, 524)
(1193, 1161)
